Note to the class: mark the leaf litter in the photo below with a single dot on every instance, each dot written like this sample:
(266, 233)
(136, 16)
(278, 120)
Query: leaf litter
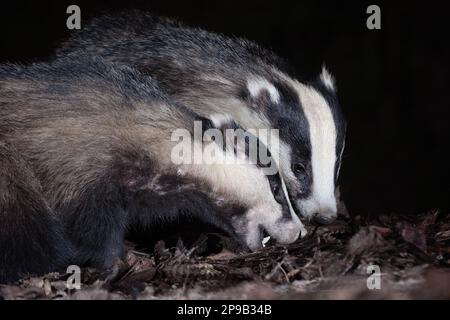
(412, 253)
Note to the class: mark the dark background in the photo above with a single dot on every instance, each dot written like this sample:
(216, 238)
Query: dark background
(393, 82)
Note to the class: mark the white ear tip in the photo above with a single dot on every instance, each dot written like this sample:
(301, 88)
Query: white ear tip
(327, 78)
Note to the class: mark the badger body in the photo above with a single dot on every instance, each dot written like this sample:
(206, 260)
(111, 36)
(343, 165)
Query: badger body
(86, 154)
(211, 73)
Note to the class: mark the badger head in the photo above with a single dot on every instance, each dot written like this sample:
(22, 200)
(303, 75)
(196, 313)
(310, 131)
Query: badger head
(234, 178)
(312, 133)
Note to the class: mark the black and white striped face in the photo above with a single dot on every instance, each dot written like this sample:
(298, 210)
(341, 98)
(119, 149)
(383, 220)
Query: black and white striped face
(312, 133)
(267, 207)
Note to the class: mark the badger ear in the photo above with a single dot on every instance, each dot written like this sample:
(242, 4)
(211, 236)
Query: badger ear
(261, 93)
(327, 79)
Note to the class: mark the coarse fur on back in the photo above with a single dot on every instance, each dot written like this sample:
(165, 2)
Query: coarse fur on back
(211, 73)
(86, 154)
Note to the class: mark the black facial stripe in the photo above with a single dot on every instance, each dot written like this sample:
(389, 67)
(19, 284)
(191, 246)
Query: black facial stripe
(338, 118)
(206, 123)
(242, 135)
(275, 179)
(288, 116)
(288, 95)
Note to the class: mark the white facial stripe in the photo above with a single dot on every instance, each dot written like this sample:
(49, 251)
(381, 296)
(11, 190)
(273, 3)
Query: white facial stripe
(340, 158)
(323, 147)
(258, 84)
(247, 184)
(323, 144)
(243, 182)
(286, 195)
(294, 216)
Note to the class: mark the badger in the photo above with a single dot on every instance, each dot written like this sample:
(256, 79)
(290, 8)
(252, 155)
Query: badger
(86, 154)
(211, 73)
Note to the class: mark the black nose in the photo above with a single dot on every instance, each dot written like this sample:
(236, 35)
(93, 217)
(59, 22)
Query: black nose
(322, 220)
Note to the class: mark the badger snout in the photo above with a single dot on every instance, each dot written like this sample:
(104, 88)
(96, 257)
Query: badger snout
(282, 231)
(324, 217)
(267, 219)
(318, 212)
(286, 231)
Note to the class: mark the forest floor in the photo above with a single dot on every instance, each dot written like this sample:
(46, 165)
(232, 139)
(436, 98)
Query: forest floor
(332, 262)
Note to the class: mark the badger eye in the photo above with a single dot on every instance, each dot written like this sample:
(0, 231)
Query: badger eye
(276, 194)
(299, 169)
(275, 189)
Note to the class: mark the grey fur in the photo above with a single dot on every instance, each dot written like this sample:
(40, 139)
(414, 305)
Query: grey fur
(210, 73)
(88, 144)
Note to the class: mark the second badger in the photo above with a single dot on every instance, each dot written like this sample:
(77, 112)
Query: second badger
(94, 140)
(211, 73)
